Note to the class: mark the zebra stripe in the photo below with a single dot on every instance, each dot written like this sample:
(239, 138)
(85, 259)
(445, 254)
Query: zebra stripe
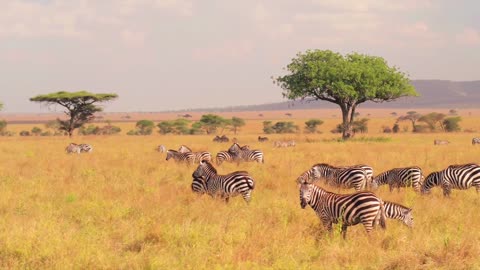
(350, 177)
(224, 186)
(199, 156)
(224, 156)
(400, 212)
(454, 177)
(198, 185)
(245, 154)
(400, 177)
(180, 157)
(475, 141)
(349, 209)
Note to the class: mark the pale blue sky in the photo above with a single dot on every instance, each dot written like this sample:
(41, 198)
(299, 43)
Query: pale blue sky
(179, 54)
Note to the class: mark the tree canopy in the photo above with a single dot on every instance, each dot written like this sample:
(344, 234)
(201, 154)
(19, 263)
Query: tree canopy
(79, 106)
(346, 80)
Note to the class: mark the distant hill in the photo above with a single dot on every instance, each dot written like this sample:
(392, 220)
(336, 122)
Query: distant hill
(433, 94)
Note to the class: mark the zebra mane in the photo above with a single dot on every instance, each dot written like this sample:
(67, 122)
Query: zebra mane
(209, 166)
(171, 150)
(323, 165)
(185, 148)
(403, 206)
(455, 166)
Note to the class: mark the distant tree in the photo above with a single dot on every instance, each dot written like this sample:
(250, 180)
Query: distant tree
(451, 124)
(288, 114)
(312, 125)
(24, 133)
(237, 123)
(452, 112)
(3, 125)
(1, 105)
(178, 126)
(386, 129)
(396, 128)
(268, 127)
(360, 126)
(394, 114)
(279, 127)
(145, 127)
(36, 131)
(211, 122)
(411, 116)
(260, 114)
(80, 106)
(347, 81)
(53, 124)
(433, 120)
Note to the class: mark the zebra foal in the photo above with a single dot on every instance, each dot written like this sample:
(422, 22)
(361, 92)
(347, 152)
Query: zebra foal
(400, 177)
(348, 209)
(400, 212)
(223, 186)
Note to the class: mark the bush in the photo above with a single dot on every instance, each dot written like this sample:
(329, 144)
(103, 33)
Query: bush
(396, 128)
(387, 129)
(312, 124)
(279, 127)
(24, 133)
(421, 129)
(451, 124)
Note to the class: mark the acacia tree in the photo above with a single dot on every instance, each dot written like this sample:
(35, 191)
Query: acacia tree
(79, 106)
(237, 123)
(411, 116)
(347, 81)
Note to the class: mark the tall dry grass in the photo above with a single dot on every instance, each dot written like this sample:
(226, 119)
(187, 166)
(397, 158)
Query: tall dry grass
(124, 207)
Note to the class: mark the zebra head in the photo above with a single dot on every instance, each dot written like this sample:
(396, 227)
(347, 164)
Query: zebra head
(203, 170)
(305, 194)
(408, 217)
(170, 154)
(235, 148)
(432, 180)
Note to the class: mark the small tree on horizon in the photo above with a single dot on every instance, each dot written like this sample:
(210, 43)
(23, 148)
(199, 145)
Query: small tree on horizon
(433, 120)
(79, 106)
(237, 123)
(312, 125)
(411, 116)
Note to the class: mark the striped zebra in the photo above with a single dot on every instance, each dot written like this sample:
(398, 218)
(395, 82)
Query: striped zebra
(348, 209)
(87, 148)
(161, 148)
(345, 177)
(454, 177)
(224, 156)
(73, 148)
(279, 144)
(400, 177)
(398, 211)
(475, 141)
(368, 171)
(199, 156)
(245, 154)
(223, 186)
(199, 185)
(440, 142)
(188, 158)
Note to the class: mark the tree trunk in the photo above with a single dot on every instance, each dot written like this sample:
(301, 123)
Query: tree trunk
(347, 118)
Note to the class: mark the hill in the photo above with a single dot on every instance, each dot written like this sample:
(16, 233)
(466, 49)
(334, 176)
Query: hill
(433, 94)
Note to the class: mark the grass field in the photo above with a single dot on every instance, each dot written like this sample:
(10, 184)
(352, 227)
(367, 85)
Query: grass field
(124, 207)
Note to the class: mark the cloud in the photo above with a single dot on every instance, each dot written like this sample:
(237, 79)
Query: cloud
(469, 37)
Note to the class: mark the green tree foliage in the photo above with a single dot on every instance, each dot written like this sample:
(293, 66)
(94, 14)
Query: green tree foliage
(24, 133)
(312, 125)
(1, 106)
(433, 120)
(360, 126)
(236, 124)
(279, 127)
(96, 130)
(347, 81)
(451, 124)
(145, 127)
(178, 126)
(211, 122)
(36, 131)
(3, 125)
(411, 116)
(79, 106)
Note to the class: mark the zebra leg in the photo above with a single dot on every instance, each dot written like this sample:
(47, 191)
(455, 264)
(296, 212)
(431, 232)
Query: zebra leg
(344, 231)
(227, 198)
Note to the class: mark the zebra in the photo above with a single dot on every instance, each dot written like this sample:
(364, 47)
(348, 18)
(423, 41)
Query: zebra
(245, 154)
(161, 148)
(349, 209)
(475, 141)
(461, 176)
(440, 142)
(400, 177)
(368, 171)
(262, 139)
(73, 148)
(347, 177)
(224, 156)
(223, 138)
(199, 156)
(224, 186)
(398, 211)
(189, 158)
(85, 148)
(199, 185)
(290, 143)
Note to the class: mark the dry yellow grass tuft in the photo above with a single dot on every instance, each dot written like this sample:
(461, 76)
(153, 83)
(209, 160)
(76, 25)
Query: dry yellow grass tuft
(124, 207)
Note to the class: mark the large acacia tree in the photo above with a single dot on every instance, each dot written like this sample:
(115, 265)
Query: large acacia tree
(346, 80)
(79, 107)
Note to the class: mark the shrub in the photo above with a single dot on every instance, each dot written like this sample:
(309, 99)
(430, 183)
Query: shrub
(451, 124)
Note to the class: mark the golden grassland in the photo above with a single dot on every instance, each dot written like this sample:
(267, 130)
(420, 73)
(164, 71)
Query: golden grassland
(124, 207)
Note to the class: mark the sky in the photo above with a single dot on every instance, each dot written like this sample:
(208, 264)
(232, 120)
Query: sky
(162, 55)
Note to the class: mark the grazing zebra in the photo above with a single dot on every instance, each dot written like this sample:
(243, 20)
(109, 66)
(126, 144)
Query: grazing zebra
(400, 177)
(223, 138)
(368, 171)
(454, 177)
(199, 156)
(161, 148)
(262, 139)
(189, 158)
(349, 209)
(440, 142)
(85, 148)
(73, 148)
(290, 143)
(245, 154)
(398, 211)
(346, 177)
(224, 186)
(475, 141)
(224, 156)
